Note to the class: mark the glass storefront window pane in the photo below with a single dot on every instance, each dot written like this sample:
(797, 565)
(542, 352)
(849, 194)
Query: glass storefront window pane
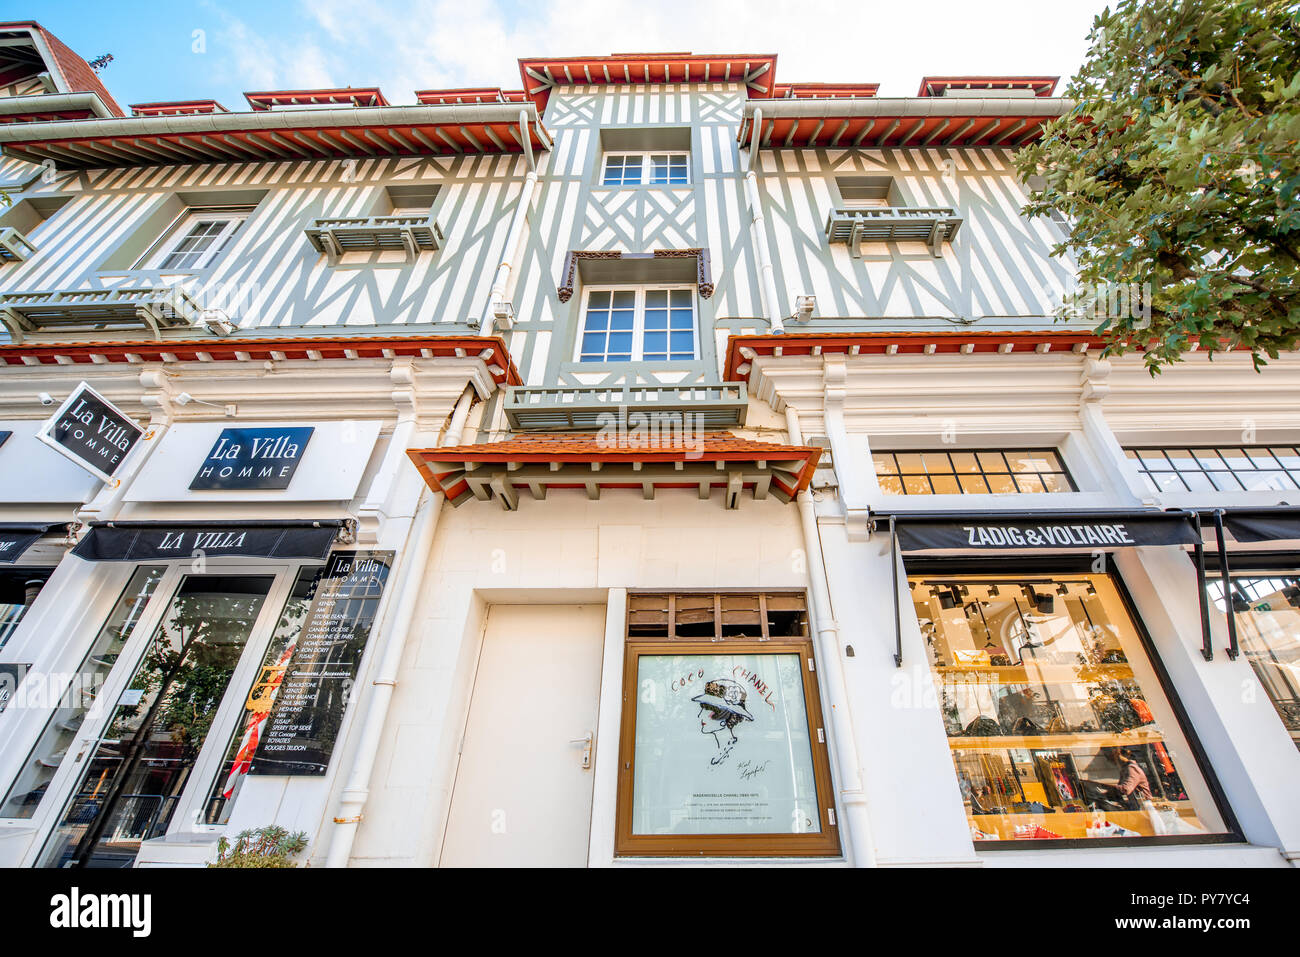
(916, 484)
(974, 485)
(1267, 613)
(81, 697)
(138, 771)
(257, 705)
(18, 589)
(884, 464)
(945, 485)
(1058, 725)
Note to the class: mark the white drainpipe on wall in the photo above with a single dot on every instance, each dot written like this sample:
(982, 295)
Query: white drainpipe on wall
(511, 250)
(356, 788)
(758, 233)
(853, 801)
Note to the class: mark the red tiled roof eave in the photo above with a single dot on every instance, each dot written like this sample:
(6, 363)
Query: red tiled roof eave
(289, 347)
(623, 68)
(438, 465)
(76, 74)
(797, 344)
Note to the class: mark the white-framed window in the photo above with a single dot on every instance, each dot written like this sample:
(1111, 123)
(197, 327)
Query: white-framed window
(672, 168)
(634, 323)
(196, 238)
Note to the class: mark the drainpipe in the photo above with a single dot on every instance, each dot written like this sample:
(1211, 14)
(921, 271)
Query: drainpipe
(511, 250)
(758, 232)
(356, 790)
(853, 801)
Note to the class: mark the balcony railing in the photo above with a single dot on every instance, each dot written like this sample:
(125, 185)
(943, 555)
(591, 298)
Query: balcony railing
(14, 246)
(97, 310)
(591, 408)
(410, 234)
(932, 225)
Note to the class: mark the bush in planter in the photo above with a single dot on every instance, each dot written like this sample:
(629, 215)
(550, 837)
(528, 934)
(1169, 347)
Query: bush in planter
(270, 846)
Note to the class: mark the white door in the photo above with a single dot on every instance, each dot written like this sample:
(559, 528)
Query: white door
(522, 796)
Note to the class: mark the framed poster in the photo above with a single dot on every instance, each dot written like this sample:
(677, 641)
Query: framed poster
(723, 751)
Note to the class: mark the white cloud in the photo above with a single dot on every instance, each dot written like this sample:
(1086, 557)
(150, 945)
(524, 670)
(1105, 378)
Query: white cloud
(405, 45)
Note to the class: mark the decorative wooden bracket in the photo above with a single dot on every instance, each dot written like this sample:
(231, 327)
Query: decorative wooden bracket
(703, 274)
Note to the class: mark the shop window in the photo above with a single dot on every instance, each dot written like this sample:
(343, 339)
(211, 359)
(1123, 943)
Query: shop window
(1057, 720)
(1267, 611)
(247, 732)
(18, 589)
(723, 747)
(635, 323)
(62, 727)
(137, 775)
(196, 239)
(972, 472)
(1222, 468)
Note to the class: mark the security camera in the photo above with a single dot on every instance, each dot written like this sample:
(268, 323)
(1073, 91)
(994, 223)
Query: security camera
(46, 398)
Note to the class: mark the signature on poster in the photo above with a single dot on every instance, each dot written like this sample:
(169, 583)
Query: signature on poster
(722, 708)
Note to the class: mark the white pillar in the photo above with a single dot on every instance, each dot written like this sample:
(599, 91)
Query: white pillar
(356, 788)
(856, 826)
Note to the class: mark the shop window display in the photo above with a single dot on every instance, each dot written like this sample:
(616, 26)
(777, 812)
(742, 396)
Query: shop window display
(1057, 722)
(1267, 611)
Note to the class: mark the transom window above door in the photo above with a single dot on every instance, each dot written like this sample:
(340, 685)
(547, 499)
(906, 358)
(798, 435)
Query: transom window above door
(196, 238)
(635, 323)
(646, 169)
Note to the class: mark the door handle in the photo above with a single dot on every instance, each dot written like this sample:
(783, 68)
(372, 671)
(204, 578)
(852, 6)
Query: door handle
(586, 748)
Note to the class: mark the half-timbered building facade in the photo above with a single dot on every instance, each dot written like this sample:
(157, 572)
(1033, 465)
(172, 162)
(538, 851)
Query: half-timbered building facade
(658, 461)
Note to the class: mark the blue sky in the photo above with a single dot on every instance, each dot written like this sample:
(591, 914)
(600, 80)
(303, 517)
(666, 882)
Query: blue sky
(189, 49)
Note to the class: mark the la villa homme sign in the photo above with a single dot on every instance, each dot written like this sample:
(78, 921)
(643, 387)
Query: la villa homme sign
(253, 458)
(92, 432)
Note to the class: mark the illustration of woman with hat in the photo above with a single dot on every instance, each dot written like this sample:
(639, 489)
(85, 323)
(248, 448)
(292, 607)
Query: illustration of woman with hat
(722, 707)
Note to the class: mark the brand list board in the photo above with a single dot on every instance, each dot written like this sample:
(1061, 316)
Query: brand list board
(314, 690)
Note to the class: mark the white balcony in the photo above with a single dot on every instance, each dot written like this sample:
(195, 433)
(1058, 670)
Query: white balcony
(410, 234)
(154, 308)
(932, 225)
(14, 246)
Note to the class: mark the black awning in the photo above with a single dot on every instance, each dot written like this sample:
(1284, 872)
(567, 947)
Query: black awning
(160, 541)
(993, 531)
(1262, 524)
(16, 539)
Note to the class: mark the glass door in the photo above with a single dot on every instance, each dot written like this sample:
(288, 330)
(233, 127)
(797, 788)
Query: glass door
(137, 775)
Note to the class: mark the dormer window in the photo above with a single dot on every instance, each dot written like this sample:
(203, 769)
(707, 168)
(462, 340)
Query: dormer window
(646, 169)
(196, 239)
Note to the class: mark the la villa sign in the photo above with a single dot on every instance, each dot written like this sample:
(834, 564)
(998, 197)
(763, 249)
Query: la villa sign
(92, 432)
(253, 458)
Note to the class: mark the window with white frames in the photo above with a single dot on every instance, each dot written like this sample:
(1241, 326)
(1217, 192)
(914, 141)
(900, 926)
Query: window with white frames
(196, 238)
(646, 169)
(634, 323)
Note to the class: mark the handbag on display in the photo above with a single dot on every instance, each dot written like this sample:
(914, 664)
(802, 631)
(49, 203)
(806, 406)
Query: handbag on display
(983, 727)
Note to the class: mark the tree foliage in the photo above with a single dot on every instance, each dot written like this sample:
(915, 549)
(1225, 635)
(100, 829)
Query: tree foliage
(1178, 169)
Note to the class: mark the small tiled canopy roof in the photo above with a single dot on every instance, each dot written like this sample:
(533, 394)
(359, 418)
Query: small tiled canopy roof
(349, 96)
(938, 85)
(626, 459)
(542, 74)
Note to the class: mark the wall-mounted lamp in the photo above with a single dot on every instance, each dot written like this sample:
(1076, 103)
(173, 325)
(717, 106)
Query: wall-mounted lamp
(185, 398)
(804, 307)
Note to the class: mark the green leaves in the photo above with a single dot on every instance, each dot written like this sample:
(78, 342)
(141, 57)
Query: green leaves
(1179, 171)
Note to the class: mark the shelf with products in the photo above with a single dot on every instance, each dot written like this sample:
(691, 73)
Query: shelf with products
(1158, 819)
(1035, 673)
(1063, 739)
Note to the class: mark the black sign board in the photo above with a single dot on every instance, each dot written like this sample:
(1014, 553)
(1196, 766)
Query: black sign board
(253, 458)
(16, 539)
(92, 432)
(11, 676)
(990, 533)
(4, 436)
(303, 726)
(154, 541)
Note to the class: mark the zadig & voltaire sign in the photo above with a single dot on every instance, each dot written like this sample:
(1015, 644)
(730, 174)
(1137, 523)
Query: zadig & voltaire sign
(988, 533)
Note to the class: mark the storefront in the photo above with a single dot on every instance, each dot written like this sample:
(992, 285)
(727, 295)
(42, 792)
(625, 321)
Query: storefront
(218, 641)
(1063, 726)
(1256, 585)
